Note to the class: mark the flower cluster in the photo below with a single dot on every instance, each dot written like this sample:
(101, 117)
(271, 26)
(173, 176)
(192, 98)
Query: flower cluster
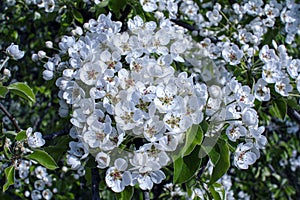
(131, 110)
(120, 92)
(39, 177)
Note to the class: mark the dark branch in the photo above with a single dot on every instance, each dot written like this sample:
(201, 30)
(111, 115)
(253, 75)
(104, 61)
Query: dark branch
(95, 184)
(293, 114)
(51, 136)
(184, 25)
(11, 118)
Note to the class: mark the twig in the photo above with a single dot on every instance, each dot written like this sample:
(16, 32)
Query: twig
(4, 62)
(146, 195)
(95, 184)
(56, 134)
(184, 25)
(11, 117)
(293, 114)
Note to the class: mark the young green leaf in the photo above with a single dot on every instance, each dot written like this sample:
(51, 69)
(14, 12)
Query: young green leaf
(125, 194)
(3, 91)
(43, 158)
(223, 164)
(10, 177)
(194, 136)
(21, 135)
(77, 16)
(214, 193)
(22, 90)
(186, 167)
(279, 109)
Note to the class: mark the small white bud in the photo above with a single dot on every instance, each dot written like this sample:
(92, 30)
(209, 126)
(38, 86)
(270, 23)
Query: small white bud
(34, 57)
(6, 72)
(49, 44)
(42, 54)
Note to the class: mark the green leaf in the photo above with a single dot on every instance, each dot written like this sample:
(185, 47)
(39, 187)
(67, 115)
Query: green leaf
(3, 91)
(77, 15)
(102, 4)
(10, 177)
(214, 156)
(56, 152)
(116, 6)
(43, 158)
(223, 164)
(214, 193)
(186, 167)
(22, 90)
(125, 194)
(279, 108)
(21, 135)
(194, 136)
(293, 103)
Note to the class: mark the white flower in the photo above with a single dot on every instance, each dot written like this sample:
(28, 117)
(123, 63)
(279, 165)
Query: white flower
(271, 72)
(283, 87)
(49, 5)
(215, 92)
(244, 96)
(148, 5)
(40, 172)
(250, 117)
(14, 52)
(166, 97)
(116, 177)
(47, 75)
(47, 194)
(103, 160)
(36, 195)
(73, 161)
(244, 156)
(146, 180)
(39, 185)
(232, 54)
(34, 140)
(260, 140)
(90, 72)
(267, 55)
(261, 91)
(235, 131)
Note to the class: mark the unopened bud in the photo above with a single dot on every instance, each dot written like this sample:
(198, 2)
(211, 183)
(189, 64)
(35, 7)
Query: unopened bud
(34, 57)
(6, 72)
(42, 54)
(49, 44)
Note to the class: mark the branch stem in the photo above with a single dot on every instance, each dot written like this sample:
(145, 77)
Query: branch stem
(11, 117)
(95, 184)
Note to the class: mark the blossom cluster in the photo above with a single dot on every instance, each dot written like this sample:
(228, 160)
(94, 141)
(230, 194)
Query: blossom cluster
(48, 5)
(42, 180)
(120, 92)
(245, 39)
(131, 109)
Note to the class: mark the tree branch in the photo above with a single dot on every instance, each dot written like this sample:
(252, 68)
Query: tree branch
(11, 117)
(293, 114)
(95, 184)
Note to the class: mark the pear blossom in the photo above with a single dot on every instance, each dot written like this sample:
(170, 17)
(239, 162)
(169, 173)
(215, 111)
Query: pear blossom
(261, 91)
(35, 139)
(117, 178)
(14, 52)
(283, 86)
(244, 156)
